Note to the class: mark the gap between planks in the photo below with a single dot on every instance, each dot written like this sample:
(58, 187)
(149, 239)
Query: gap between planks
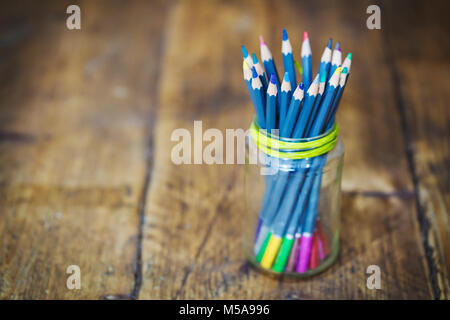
(422, 219)
(149, 157)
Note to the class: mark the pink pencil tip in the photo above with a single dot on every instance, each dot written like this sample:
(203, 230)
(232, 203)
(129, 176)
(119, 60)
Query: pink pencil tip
(261, 40)
(305, 35)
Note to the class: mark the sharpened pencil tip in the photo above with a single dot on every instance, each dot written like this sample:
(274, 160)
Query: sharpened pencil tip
(337, 46)
(273, 79)
(244, 52)
(301, 86)
(286, 76)
(316, 79)
(254, 73)
(245, 65)
(255, 58)
(349, 56)
(305, 35)
(285, 36)
(338, 70)
(329, 43)
(261, 40)
(345, 70)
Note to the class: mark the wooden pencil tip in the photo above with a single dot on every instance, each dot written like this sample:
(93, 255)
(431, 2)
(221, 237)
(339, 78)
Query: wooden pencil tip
(305, 35)
(285, 36)
(244, 52)
(254, 73)
(337, 46)
(273, 79)
(255, 58)
(261, 40)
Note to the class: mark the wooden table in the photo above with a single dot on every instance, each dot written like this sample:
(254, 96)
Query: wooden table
(85, 171)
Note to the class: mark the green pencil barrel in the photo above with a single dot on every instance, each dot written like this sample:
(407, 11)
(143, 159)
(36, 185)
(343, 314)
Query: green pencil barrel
(270, 238)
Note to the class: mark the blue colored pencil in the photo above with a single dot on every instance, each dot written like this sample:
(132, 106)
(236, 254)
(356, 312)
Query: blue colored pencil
(314, 198)
(269, 65)
(278, 186)
(267, 59)
(247, 57)
(293, 111)
(319, 125)
(271, 104)
(342, 82)
(306, 61)
(288, 59)
(293, 257)
(296, 193)
(260, 71)
(248, 76)
(336, 59)
(305, 113)
(325, 64)
(259, 99)
(248, 79)
(281, 181)
(271, 116)
(315, 108)
(278, 257)
(324, 68)
(319, 122)
(286, 94)
(311, 210)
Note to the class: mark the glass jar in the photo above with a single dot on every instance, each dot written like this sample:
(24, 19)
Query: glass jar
(292, 201)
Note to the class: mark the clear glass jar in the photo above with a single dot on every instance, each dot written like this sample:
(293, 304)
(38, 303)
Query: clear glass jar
(292, 202)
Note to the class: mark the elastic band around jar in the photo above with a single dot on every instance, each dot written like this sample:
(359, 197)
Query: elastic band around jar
(273, 146)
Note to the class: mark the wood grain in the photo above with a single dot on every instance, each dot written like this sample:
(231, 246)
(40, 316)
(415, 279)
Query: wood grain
(191, 246)
(74, 129)
(86, 175)
(423, 74)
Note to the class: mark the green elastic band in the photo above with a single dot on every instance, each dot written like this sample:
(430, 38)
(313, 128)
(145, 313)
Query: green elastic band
(274, 147)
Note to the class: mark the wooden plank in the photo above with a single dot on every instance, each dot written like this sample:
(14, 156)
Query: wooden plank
(75, 117)
(423, 71)
(186, 202)
(191, 245)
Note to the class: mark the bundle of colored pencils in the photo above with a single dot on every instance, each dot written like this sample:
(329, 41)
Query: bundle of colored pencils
(289, 236)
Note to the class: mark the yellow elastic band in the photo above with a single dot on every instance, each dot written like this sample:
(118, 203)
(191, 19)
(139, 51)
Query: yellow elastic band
(293, 150)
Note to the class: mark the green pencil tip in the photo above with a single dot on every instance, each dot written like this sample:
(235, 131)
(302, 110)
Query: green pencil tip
(349, 56)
